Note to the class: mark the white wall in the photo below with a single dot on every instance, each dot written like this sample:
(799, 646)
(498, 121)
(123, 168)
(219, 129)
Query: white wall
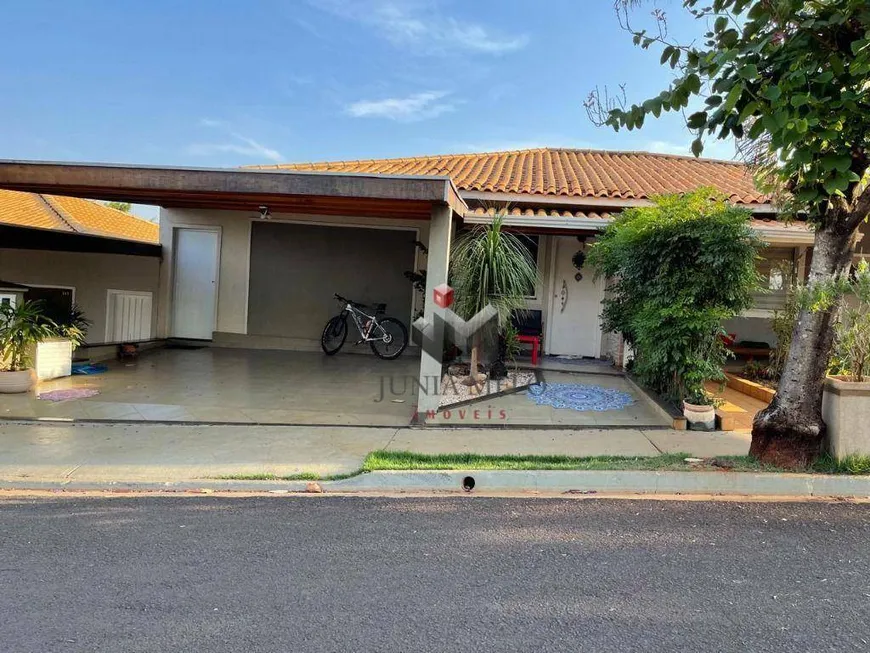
(90, 274)
(234, 268)
(756, 329)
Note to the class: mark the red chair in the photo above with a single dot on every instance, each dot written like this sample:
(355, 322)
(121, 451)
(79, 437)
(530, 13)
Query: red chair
(530, 327)
(535, 342)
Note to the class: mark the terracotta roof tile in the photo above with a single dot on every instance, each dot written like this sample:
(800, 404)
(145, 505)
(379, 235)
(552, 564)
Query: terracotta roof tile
(73, 214)
(565, 172)
(29, 210)
(796, 227)
(480, 212)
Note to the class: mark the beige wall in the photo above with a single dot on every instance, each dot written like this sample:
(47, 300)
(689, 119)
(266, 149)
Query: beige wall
(296, 268)
(234, 265)
(90, 274)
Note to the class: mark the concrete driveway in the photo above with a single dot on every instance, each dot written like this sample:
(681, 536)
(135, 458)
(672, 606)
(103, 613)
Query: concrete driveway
(241, 386)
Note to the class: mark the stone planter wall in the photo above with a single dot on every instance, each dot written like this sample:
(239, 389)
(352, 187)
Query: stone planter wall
(749, 388)
(846, 411)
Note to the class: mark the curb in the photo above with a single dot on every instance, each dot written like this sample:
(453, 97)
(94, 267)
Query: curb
(629, 482)
(487, 481)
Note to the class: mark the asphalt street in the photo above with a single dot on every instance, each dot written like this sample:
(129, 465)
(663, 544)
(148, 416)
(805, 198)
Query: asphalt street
(471, 574)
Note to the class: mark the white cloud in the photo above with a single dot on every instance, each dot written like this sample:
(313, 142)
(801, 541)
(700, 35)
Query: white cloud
(238, 144)
(419, 106)
(713, 148)
(249, 148)
(308, 27)
(418, 25)
(555, 141)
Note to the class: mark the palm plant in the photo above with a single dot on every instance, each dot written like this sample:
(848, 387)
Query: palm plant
(490, 266)
(21, 328)
(73, 326)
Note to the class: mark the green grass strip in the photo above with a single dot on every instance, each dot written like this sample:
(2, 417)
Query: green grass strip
(407, 460)
(383, 460)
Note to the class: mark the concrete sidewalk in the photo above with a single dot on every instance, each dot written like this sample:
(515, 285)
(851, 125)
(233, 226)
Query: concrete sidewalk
(101, 453)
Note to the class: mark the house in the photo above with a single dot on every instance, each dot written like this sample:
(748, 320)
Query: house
(252, 256)
(562, 197)
(69, 251)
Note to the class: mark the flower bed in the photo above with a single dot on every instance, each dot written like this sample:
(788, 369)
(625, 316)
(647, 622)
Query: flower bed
(750, 388)
(454, 391)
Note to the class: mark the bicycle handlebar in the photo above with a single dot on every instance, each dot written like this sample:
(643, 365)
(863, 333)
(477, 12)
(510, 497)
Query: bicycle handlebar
(345, 300)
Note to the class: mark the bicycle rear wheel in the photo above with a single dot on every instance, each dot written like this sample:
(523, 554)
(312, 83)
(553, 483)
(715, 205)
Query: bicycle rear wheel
(392, 338)
(334, 335)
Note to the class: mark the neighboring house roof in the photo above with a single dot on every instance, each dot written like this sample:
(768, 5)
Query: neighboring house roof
(73, 214)
(564, 172)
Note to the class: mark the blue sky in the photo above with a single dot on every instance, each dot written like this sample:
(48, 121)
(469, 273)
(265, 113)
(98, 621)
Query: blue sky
(226, 83)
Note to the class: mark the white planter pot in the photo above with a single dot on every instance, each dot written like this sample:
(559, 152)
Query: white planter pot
(53, 358)
(700, 418)
(12, 382)
(846, 411)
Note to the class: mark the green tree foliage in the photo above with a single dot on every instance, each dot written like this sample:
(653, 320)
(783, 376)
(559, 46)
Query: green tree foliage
(677, 270)
(791, 80)
(124, 207)
(852, 342)
(782, 324)
(792, 73)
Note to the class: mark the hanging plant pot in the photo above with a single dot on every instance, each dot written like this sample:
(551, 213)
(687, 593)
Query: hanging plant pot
(700, 418)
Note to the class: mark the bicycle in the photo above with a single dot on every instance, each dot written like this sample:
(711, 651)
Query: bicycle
(386, 335)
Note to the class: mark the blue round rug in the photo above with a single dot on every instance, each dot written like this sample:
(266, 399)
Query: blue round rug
(579, 396)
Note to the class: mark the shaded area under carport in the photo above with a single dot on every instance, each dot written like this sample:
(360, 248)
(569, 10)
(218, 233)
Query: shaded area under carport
(242, 386)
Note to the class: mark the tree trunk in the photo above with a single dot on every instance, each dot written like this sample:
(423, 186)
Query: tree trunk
(790, 432)
(475, 379)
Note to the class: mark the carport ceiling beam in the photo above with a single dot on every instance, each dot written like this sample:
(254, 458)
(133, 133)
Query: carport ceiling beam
(306, 192)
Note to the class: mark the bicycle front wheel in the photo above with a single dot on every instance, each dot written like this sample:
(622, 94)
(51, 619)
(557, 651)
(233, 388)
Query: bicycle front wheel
(334, 335)
(391, 338)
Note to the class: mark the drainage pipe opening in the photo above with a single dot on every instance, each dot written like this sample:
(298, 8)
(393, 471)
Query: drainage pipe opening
(468, 483)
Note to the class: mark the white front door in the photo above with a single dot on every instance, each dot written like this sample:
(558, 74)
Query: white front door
(575, 305)
(195, 297)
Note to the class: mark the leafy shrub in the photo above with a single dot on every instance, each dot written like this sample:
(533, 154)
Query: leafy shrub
(73, 325)
(782, 323)
(851, 355)
(677, 270)
(21, 327)
(755, 371)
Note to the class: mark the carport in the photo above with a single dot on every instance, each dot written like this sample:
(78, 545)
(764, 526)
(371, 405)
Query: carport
(246, 219)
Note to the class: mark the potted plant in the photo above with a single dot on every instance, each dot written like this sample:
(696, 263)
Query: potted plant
(22, 327)
(846, 399)
(490, 266)
(699, 409)
(53, 357)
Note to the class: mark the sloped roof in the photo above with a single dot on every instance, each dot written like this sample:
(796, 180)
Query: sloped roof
(564, 172)
(797, 229)
(73, 214)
